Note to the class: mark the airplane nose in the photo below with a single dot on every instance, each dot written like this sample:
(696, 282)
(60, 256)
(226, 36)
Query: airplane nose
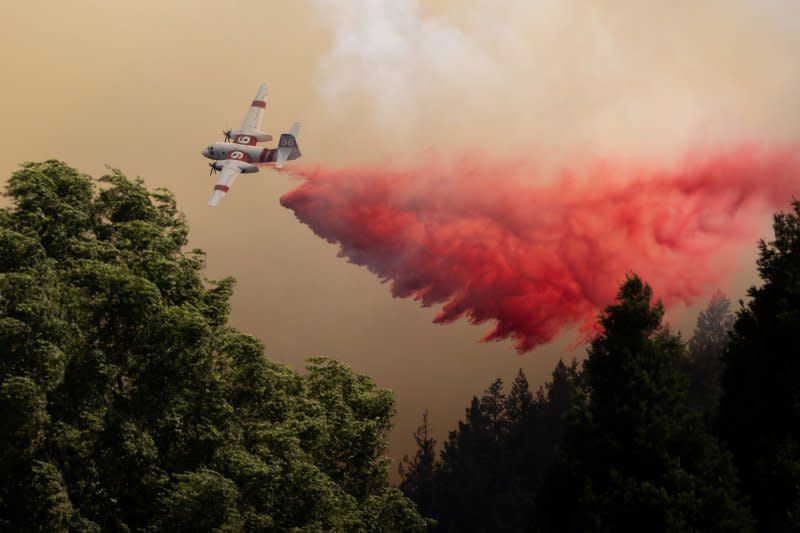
(204, 152)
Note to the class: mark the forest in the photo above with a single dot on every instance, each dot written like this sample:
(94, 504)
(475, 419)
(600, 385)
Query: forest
(128, 403)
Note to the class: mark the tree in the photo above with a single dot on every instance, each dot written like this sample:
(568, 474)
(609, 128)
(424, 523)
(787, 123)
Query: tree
(493, 463)
(703, 362)
(417, 473)
(469, 475)
(634, 456)
(128, 403)
(760, 405)
(519, 402)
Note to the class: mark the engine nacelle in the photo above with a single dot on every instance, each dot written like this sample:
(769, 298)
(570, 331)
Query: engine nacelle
(245, 168)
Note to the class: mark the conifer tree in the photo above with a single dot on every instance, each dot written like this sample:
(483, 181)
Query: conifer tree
(760, 405)
(493, 463)
(634, 456)
(417, 473)
(703, 362)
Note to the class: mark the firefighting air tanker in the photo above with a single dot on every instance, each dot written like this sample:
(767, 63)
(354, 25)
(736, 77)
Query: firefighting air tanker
(239, 154)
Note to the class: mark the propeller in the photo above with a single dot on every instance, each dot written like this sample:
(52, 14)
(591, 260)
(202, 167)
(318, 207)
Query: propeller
(213, 168)
(227, 134)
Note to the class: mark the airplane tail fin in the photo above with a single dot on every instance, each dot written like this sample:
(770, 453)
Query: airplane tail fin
(287, 146)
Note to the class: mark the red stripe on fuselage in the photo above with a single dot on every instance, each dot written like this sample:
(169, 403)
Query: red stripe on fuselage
(223, 188)
(238, 155)
(259, 103)
(264, 155)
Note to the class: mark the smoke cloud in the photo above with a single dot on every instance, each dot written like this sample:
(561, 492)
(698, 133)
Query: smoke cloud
(501, 235)
(568, 76)
(475, 235)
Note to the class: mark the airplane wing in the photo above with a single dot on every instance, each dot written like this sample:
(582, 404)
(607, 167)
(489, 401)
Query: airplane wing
(230, 171)
(252, 120)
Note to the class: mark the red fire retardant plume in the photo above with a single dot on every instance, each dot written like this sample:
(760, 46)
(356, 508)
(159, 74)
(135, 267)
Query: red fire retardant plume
(481, 238)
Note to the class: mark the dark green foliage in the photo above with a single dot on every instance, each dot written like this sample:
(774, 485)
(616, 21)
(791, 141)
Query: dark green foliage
(391, 511)
(634, 455)
(760, 406)
(417, 473)
(43, 499)
(356, 416)
(127, 403)
(491, 467)
(703, 362)
(202, 500)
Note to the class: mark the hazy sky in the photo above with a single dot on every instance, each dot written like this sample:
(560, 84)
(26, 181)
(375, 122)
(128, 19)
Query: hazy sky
(144, 86)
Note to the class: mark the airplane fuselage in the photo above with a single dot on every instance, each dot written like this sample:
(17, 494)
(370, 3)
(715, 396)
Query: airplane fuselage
(254, 155)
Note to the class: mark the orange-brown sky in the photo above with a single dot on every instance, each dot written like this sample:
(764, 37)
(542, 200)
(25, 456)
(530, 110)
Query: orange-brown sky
(143, 86)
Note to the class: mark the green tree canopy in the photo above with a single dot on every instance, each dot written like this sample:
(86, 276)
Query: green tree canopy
(128, 403)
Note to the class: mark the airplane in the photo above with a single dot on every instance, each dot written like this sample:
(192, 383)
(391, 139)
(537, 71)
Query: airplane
(243, 155)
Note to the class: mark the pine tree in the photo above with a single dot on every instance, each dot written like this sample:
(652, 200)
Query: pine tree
(760, 405)
(467, 473)
(703, 362)
(417, 473)
(634, 456)
(519, 402)
(493, 464)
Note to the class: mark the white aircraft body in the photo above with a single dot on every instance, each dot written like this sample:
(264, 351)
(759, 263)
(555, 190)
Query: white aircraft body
(243, 155)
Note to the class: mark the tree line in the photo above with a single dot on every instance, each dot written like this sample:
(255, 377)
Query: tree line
(651, 433)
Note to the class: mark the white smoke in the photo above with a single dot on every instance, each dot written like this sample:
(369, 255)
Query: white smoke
(560, 74)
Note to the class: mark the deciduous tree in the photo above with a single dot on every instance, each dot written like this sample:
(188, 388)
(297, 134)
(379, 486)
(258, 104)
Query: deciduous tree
(128, 403)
